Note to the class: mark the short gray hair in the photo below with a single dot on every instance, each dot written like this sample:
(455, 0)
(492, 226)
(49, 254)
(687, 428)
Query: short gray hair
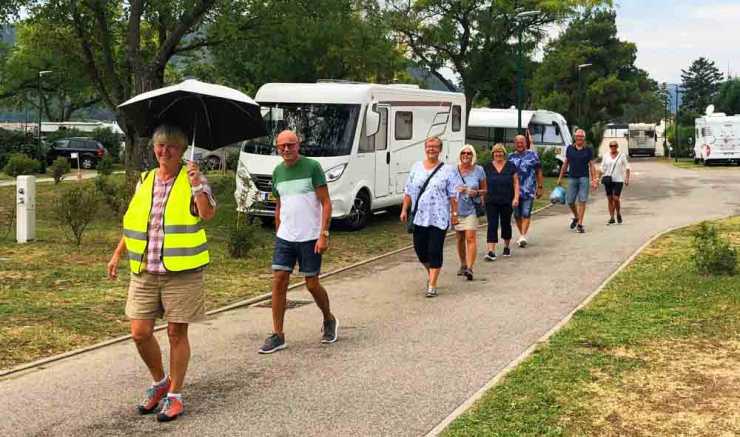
(170, 134)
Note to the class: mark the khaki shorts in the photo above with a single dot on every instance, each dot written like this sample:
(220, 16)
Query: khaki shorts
(176, 297)
(467, 223)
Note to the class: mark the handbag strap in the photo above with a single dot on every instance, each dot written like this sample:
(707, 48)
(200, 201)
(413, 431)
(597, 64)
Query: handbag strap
(424, 187)
(614, 164)
(463, 180)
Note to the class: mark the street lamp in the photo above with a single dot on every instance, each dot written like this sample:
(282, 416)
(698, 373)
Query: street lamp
(580, 93)
(41, 73)
(520, 65)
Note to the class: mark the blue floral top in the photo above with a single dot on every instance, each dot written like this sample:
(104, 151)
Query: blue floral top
(526, 165)
(465, 205)
(434, 205)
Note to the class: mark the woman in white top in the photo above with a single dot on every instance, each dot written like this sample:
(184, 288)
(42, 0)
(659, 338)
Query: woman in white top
(616, 169)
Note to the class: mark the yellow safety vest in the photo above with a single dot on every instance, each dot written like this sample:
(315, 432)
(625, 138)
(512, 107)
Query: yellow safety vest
(185, 246)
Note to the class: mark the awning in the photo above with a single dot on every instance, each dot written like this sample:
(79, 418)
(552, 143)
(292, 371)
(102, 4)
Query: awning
(506, 118)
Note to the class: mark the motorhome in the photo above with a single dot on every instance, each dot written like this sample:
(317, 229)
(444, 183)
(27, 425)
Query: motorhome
(641, 139)
(365, 136)
(487, 126)
(717, 138)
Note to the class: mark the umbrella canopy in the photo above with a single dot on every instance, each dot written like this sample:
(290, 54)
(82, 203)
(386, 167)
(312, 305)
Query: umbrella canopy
(211, 115)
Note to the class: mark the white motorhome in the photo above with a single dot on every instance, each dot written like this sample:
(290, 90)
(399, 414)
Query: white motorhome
(365, 136)
(487, 126)
(717, 138)
(641, 139)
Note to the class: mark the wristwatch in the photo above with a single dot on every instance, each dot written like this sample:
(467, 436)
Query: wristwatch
(325, 234)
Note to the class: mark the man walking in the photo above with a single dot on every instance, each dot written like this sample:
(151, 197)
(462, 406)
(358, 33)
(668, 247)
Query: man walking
(531, 182)
(302, 217)
(580, 166)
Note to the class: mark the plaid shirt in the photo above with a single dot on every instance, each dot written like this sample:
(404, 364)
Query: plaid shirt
(155, 235)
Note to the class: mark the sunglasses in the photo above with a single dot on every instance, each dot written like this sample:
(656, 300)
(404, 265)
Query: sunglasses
(287, 145)
(613, 146)
(466, 153)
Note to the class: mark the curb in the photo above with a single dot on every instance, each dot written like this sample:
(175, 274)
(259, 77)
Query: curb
(235, 305)
(437, 430)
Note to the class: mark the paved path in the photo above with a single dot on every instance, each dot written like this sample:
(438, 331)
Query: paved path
(71, 176)
(403, 362)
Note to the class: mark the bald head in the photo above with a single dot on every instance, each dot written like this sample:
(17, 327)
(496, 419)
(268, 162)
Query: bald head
(286, 136)
(287, 144)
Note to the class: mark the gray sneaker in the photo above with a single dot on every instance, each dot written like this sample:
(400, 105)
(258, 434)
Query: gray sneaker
(461, 271)
(330, 329)
(273, 343)
(431, 292)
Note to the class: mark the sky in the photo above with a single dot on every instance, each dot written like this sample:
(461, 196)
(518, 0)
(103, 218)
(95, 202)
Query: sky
(670, 34)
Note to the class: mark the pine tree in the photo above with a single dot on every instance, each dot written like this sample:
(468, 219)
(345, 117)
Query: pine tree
(700, 85)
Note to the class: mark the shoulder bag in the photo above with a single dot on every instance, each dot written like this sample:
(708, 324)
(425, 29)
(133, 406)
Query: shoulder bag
(607, 179)
(479, 211)
(410, 220)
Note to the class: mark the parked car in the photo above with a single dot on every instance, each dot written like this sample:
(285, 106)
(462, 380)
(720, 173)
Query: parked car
(216, 159)
(89, 151)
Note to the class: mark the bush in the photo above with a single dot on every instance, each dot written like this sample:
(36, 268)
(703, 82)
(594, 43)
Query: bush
(232, 160)
(19, 163)
(59, 168)
(114, 193)
(713, 255)
(105, 165)
(75, 209)
(242, 238)
(11, 142)
(549, 162)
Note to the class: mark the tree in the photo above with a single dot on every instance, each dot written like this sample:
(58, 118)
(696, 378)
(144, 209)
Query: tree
(42, 46)
(728, 97)
(302, 41)
(700, 84)
(607, 87)
(126, 47)
(469, 36)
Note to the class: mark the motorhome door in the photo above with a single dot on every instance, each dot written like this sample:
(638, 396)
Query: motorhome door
(382, 155)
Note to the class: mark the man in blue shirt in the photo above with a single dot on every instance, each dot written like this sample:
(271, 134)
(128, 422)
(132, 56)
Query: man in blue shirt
(580, 166)
(531, 181)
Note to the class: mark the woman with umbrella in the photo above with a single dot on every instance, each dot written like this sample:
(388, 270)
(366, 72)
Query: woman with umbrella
(167, 251)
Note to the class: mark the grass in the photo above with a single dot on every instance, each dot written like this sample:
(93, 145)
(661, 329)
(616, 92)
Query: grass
(55, 296)
(655, 353)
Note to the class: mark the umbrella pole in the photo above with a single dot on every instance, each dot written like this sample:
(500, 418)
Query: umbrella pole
(192, 146)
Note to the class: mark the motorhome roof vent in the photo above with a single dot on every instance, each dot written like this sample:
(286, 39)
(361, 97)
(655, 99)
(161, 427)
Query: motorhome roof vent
(405, 85)
(348, 82)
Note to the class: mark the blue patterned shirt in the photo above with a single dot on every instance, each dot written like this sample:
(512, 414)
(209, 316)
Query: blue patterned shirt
(434, 205)
(526, 164)
(465, 206)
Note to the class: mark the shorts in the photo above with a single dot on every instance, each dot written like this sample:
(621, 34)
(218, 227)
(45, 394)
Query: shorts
(429, 244)
(614, 188)
(467, 223)
(288, 252)
(524, 209)
(178, 297)
(577, 190)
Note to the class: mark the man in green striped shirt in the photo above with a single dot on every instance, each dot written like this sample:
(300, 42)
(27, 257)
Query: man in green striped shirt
(302, 217)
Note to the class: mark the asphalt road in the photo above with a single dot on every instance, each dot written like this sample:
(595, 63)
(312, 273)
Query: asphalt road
(403, 362)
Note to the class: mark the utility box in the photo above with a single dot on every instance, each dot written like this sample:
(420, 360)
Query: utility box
(25, 229)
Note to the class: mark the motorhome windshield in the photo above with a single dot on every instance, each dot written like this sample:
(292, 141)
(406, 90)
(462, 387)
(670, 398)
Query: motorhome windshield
(325, 129)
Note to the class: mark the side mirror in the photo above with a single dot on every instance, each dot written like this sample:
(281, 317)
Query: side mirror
(372, 121)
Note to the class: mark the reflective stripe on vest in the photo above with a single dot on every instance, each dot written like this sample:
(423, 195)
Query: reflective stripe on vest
(184, 246)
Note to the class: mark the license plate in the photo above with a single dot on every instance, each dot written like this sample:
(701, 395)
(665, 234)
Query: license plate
(266, 196)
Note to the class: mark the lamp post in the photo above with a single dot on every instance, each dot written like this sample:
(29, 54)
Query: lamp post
(520, 65)
(41, 73)
(675, 127)
(580, 93)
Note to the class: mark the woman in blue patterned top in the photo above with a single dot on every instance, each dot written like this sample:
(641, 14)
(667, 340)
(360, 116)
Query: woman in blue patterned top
(471, 185)
(435, 207)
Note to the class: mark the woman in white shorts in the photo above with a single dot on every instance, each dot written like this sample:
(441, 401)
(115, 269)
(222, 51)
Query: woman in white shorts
(471, 183)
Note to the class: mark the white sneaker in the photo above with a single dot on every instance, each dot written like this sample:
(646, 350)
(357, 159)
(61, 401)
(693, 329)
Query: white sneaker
(522, 242)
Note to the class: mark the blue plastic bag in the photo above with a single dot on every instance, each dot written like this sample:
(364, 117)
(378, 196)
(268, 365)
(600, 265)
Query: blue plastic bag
(558, 195)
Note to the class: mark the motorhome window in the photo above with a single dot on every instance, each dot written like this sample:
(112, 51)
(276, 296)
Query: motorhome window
(404, 125)
(456, 118)
(478, 133)
(381, 137)
(325, 129)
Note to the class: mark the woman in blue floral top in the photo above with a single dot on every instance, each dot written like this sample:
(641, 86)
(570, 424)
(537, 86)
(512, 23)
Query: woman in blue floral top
(435, 207)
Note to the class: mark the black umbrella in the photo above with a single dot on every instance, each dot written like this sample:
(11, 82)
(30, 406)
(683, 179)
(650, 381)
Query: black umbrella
(211, 115)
